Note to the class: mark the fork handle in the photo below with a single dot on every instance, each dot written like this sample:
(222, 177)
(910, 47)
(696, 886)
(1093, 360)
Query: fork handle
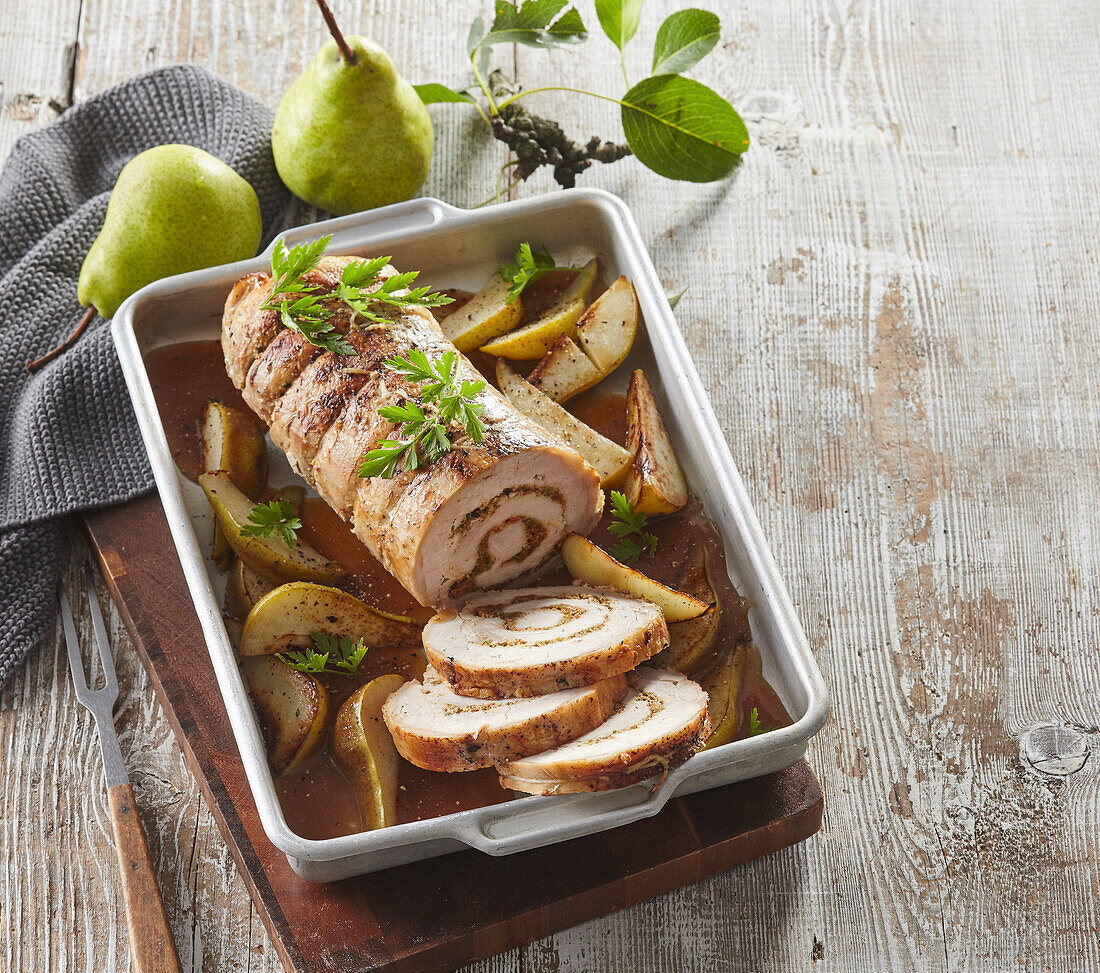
(152, 949)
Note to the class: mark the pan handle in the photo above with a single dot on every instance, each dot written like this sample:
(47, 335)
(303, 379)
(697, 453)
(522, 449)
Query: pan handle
(412, 214)
(551, 819)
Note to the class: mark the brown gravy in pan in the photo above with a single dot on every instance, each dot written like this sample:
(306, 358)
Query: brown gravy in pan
(317, 801)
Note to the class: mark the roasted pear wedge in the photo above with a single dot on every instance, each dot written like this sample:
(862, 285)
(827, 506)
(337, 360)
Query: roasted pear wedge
(591, 564)
(655, 483)
(293, 709)
(607, 329)
(293, 494)
(534, 340)
(609, 458)
(690, 643)
(565, 371)
(243, 588)
(581, 285)
(269, 557)
(233, 441)
(723, 686)
(485, 316)
(286, 616)
(363, 749)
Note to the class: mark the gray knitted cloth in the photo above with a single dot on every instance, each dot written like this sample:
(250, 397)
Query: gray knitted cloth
(68, 437)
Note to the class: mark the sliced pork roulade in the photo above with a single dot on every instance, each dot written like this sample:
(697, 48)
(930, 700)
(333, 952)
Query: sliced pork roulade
(529, 641)
(437, 729)
(661, 721)
(483, 514)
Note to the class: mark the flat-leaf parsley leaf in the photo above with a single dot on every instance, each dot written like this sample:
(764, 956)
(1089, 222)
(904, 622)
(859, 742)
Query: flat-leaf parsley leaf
(336, 654)
(423, 425)
(269, 519)
(626, 521)
(528, 268)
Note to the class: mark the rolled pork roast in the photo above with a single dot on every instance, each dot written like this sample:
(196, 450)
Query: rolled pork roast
(482, 515)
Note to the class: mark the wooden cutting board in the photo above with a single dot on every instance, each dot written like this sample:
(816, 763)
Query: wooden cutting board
(435, 914)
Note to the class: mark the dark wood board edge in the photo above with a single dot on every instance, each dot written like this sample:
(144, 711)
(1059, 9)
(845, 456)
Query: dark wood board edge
(142, 515)
(159, 616)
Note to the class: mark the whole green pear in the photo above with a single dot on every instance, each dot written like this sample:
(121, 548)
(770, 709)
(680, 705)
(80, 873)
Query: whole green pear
(174, 208)
(349, 137)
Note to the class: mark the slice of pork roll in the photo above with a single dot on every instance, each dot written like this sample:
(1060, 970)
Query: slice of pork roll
(529, 641)
(437, 729)
(659, 724)
(483, 515)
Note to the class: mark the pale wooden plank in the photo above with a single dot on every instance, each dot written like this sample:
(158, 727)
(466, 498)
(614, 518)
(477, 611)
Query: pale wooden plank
(890, 307)
(859, 343)
(38, 59)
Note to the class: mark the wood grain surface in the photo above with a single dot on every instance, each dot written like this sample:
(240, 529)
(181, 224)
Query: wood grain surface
(891, 304)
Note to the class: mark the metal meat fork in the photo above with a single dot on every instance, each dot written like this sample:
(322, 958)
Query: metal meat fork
(151, 947)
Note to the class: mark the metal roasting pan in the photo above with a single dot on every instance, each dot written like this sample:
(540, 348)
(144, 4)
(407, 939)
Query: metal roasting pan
(460, 248)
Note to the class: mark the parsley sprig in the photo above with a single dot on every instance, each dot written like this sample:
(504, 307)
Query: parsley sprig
(357, 277)
(269, 519)
(359, 288)
(755, 729)
(528, 268)
(335, 654)
(423, 425)
(307, 314)
(626, 521)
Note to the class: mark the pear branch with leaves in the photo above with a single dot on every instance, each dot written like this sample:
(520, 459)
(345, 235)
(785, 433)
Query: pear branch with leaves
(678, 127)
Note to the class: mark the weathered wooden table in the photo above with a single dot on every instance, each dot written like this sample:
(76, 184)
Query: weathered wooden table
(891, 305)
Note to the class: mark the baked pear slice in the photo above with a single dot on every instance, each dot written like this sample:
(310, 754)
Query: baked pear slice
(723, 686)
(581, 285)
(609, 458)
(233, 441)
(243, 588)
(607, 329)
(288, 615)
(534, 340)
(565, 371)
(364, 750)
(594, 566)
(692, 642)
(293, 709)
(270, 557)
(655, 483)
(485, 316)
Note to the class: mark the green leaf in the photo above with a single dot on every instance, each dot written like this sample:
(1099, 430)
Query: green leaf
(619, 19)
(625, 520)
(674, 299)
(528, 268)
(683, 40)
(433, 94)
(269, 519)
(533, 24)
(360, 273)
(681, 129)
(344, 654)
(473, 42)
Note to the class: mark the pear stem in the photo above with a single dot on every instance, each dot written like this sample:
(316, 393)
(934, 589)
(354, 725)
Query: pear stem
(33, 366)
(350, 57)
